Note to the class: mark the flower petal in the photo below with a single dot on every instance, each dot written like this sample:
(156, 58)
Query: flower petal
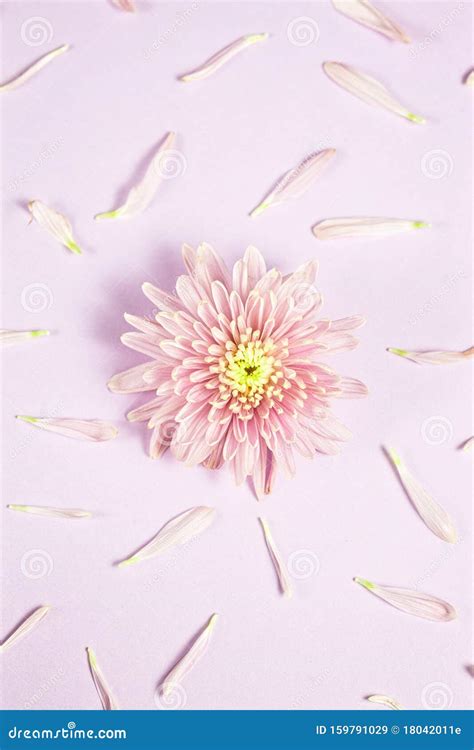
(32, 69)
(434, 516)
(191, 657)
(363, 12)
(468, 445)
(105, 695)
(141, 195)
(295, 182)
(43, 510)
(385, 701)
(434, 358)
(18, 337)
(131, 380)
(25, 627)
(221, 57)
(277, 560)
(370, 226)
(54, 223)
(469, 79)
(125, 5)
(178, 531)
(367, 88)
(81, 429)
(412, 602)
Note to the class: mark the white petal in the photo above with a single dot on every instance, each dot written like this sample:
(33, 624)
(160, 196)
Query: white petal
(334, 229)
(81, 429)
(178, 531)
(367, 88)
(18, 337)
(106, 697)
(277, 560)
(295, 182)
(25, 627)
(434, 358)
(192, 656)
(468, 445)
(141, 195)
(412, 602)
(43, 510)
(35, 68)
(434, 516)
(385, 701)
(221, 57)
(54, 223)
(364, 13)
(469, 79)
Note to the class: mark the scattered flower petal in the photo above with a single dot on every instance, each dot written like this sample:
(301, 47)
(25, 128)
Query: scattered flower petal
(367, 88)
(412, 602)
(468, 445)
(106, 697)
(178, 531)
(43, 510)
(54, 223)
(385, 701)
(297, 181)
(81, 429)
(363, 12)
(335, 229)
(220, 58)
(277, 560)
(25, 627)
(131, 380)
(18, 337)
(469, 79)
(125, 5)
(35, 68)
(141, 195)
(191, 657)
(434, 516)
(434, 358)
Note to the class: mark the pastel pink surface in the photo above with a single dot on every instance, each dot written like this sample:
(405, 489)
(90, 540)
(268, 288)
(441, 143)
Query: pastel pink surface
(106, 104)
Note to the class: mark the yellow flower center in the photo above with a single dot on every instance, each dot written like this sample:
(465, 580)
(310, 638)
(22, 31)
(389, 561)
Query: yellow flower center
(248, 373)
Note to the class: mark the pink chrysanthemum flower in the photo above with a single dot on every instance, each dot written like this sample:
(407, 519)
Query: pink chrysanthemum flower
(234, 367)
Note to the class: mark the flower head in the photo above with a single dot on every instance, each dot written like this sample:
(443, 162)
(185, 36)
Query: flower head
(234, 364)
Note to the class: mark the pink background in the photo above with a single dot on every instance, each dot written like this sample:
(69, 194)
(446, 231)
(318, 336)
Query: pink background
(106, 104)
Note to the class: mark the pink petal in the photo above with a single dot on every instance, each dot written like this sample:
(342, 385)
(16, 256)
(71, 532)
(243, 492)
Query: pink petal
(131, 381)
(367, 88)
(33, 69)
(220, 58)
(412, 602)
(297, 181)
(106, 697)
(81, 429)
(176, 532)
(363, 12)
(434, 516)
(141, 195)
(190, 659)
(335, 229)
(434, 358)
(25, 627)
(55, 223)
(277, 560)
